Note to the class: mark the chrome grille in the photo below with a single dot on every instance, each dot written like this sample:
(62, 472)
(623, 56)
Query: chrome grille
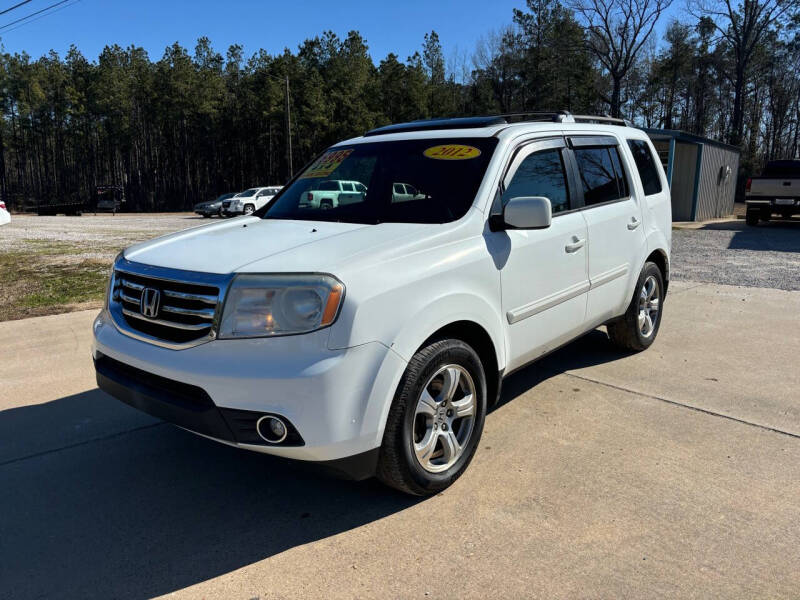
(185, 310)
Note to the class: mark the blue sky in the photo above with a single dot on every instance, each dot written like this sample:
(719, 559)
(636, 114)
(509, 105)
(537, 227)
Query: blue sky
(273, 25)
(388, 26)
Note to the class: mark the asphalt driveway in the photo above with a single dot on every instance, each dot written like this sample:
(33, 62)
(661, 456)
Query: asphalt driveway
(671, 473)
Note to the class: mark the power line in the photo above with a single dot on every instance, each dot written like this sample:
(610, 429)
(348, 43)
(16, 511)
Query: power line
(33, 14)
(23, 3)
(40, 17)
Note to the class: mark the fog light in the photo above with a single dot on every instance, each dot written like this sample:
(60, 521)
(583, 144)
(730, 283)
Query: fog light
(271, 429)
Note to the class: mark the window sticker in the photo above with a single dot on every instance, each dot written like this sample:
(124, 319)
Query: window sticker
(326, 164)
(452, 152)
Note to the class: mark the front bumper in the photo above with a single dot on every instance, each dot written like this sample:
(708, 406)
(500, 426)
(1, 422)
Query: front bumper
(336, 400)
(233, 209)
(207, 211)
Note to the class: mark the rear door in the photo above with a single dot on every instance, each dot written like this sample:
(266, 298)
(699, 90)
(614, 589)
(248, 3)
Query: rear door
(613, 214)
(544, 271)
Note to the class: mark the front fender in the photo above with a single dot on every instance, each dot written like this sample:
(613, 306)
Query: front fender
(444, 311)
(401, 303)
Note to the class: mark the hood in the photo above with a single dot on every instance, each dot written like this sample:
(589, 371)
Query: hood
(229, 246)
(251, 244)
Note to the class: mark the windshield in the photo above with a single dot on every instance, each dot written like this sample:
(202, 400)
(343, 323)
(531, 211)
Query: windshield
(247, 193)
(223, 197)
(409, 181)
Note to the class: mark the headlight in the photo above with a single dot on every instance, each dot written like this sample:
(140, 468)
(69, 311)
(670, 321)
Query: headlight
(268, 305)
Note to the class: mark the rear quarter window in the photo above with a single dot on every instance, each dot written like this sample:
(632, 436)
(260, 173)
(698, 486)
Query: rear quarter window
(646, 166)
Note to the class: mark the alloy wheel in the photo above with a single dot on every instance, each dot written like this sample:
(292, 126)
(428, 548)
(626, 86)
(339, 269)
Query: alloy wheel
(649, 305)
(444, 418)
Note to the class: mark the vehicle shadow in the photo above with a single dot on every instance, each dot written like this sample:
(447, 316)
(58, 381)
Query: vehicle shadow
(100, 500)
(138, 508)
(594, 348)
(778, 235)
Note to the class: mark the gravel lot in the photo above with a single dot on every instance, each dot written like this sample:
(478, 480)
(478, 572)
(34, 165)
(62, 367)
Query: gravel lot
(734, 254)
(90, 237)
(724, 252)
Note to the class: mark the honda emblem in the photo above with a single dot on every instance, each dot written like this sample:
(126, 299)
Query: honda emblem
(148, 306)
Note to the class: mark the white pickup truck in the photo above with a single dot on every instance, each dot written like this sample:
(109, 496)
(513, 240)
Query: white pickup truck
(332, 193)
(775, 191)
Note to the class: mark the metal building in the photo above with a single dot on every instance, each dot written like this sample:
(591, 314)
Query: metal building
(702, 174)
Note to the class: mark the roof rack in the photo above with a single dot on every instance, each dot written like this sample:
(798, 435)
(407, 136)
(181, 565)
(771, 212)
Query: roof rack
(563, 116)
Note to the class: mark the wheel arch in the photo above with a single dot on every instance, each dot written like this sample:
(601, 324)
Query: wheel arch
(479, 340)
(660, 258)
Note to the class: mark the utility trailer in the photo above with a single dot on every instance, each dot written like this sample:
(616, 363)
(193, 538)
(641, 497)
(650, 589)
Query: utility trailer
(74, 208)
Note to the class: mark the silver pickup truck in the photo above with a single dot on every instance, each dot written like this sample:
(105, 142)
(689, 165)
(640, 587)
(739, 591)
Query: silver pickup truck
(775, 191)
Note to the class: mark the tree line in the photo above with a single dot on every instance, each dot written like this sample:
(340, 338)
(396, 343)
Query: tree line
(193, 124)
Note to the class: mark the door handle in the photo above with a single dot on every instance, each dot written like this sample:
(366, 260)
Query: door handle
(575, 245)
(634, 223)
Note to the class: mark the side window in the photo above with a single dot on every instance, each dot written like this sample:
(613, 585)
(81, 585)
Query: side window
(601, 174)
(398, 188)
(541, 174)
(348, 187)
(646, 165)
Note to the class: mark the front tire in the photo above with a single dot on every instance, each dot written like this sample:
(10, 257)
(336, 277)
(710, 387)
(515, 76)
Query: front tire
(636, 330)
(249, 209)
(436, 419)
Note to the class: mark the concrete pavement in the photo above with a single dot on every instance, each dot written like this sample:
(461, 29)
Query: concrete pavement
(671, 473)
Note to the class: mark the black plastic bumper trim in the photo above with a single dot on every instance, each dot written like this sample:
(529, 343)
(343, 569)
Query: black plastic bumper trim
(356, 468)
(182, 404)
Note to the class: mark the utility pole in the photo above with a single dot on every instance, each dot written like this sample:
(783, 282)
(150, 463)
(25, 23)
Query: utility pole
(288, 131)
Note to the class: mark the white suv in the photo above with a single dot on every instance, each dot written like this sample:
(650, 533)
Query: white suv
(371, 337)
(249, 201)
(5, 216)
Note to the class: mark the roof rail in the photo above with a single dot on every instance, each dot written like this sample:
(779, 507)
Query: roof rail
(429, 124)
(562, 116)
(605, 119)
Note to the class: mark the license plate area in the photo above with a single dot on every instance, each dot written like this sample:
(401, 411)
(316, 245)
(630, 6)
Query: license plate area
(785, 201)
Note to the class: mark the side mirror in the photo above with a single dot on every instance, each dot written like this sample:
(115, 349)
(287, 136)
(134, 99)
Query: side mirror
(528, 212)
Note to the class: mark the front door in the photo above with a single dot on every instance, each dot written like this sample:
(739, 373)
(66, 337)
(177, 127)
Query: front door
(544, 278)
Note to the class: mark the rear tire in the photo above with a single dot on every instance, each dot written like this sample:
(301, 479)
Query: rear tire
(751, 217)
(637, 329)
(326, 204)
(436, 419)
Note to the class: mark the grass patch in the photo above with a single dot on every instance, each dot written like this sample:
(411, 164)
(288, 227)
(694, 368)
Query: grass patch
(32, 284)
(49, 247)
